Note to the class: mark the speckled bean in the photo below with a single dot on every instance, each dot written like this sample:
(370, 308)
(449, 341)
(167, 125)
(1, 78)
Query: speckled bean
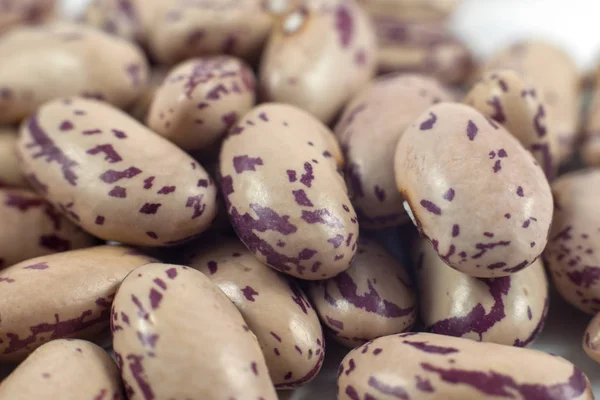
(182, 30)
(275, 309)
(31, 228)
(65, 369)
(113, 176)
(474, 191)
(285, 199)
(372, 298)
(201, 99)
(168, 350)
(591, 339)
(510, 310)
(369, 130)
(318, 56)
(61, 295)
(10, 172)
(559, 85)
(42, 63)
(505, 97)
(17, 12)
(429, 366)
(572, 252)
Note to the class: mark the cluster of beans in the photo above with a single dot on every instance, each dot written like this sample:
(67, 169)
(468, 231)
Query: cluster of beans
(183, 184)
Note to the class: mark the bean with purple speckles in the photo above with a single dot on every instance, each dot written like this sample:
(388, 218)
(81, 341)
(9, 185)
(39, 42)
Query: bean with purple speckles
(46, 62)
(123, 183)
(509, 310)
(454, 192)
(63, 367)
(169, 350)
(571, 255)
(275, 309)
(201, 99)
(430, 366)
(64, 295)
(369, 130)
(372, 298)
(318, 56)
(284, 196)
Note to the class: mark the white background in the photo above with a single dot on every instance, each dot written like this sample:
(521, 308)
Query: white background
(487, 25)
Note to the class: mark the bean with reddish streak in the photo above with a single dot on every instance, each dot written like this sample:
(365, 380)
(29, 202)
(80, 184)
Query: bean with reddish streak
(66, 369)
(369, 130)
(429, 366)
(318, 56)
(284, 196)
(64, 295)
(275, 309)
(201, 99)
(474, 191)
(43, 63)
(510, 310)
(152, 322)
(10, 172)
(372, 298)
(114, 177)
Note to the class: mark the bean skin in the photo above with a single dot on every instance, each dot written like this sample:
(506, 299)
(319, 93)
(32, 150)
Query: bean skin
(510, 310)
(45, 62)
(68, 369)
(283, 193)
(372, 298)
(429, 366)
(474, 191)
(571, 255)
(369, 130)
(114, 177)
(274, 307)
(67, 295)
(166, 349)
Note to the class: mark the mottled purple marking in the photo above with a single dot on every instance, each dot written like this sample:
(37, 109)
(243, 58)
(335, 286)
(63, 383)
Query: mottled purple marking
(148, 182)
(150, 208)
(249, 293)
(455, 230)
(334, 323)
(92, 132)
(352, 393)
(344, 25)
(484, 247)
(321, 216)
(119, 134)
(586, 277)
(119, 192)
(394, 391)
(38, 266)
(66, 126)
(520, 192)
(432, 349)
(431, 207)
(291, 175)
(99, 220)
(449, 195)
(336, 241)
(137, 371)
(424, 385)
(202, 183)
(112, 176)
(497, 166)
(229, 119)
(428, 123)
(308, 176)
(301, 198)
(499, 114)
(196, 203)
(245, 163)
(379, 193)
(472, 130)
(215, 93)
(110, 154)
(507, 216)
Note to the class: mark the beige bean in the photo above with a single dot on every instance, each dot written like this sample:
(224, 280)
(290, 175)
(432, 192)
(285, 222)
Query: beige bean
(429, 366)
(285, 199)
(372, 298)
(62, 59)
(571, 255)
(66, 369)
(182, 30)
(318, 56)
(201, 99)
(505, 97)
(274, 307)
(510, 310)
(31, 228)
(20, 12)
(474, 191)
(591, 339)
(167, 349)
(369, 130)
(113, 176)
(559, 84)
(10, 172)
(64, 295)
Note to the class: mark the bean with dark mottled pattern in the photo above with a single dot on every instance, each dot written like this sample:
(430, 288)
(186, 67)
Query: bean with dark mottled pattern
(318, 56)
(510, 310)
(474, 191)
(369, 130)
(177, 336)
(201, 99)
(64, 295)
(42, 63)
(66, 369)
(430, 366)
(114, 177)
(275, 309)
(374, 297)
(284, 196)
